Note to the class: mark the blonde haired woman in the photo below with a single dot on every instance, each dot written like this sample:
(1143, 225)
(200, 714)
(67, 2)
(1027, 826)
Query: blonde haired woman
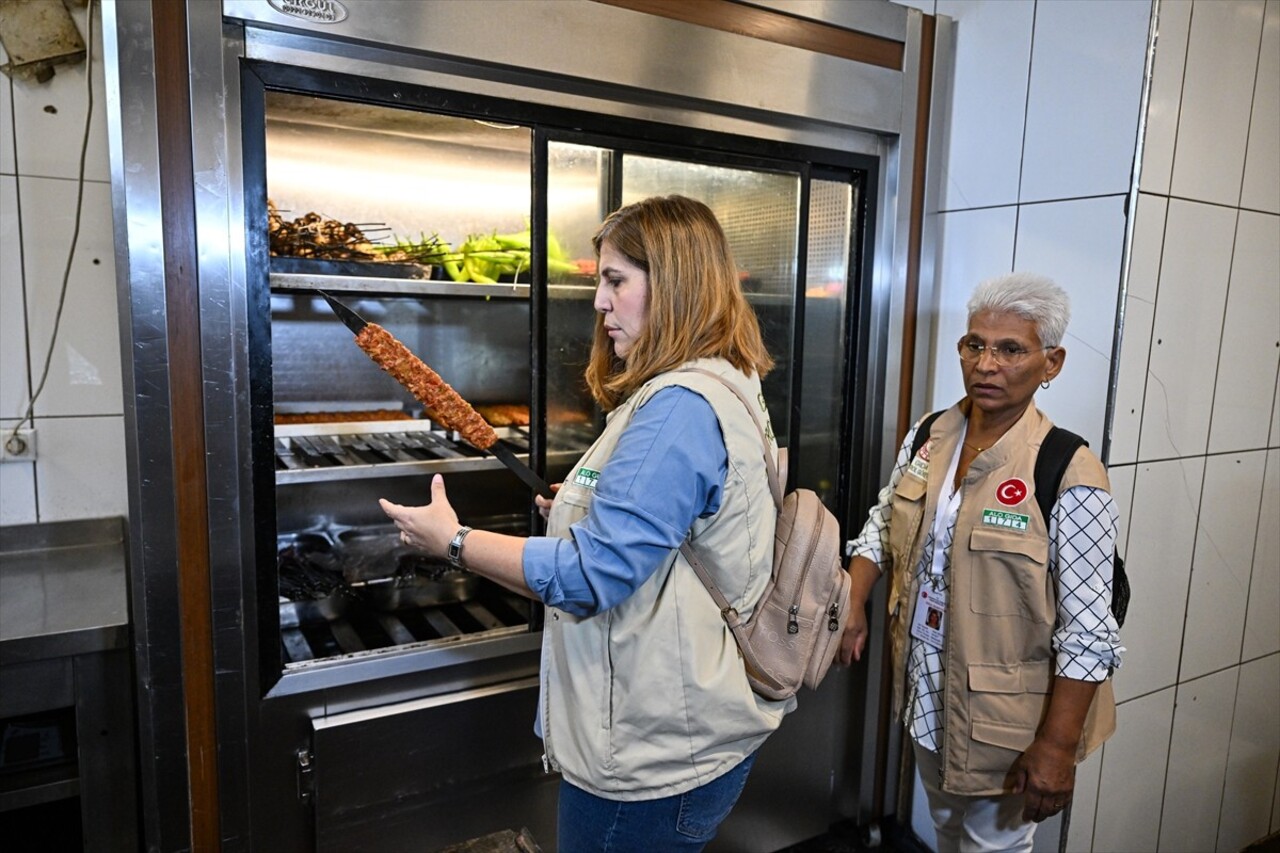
(646, 711)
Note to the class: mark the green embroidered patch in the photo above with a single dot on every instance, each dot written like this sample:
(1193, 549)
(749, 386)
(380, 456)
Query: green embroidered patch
(586, 477)
(1010, 520)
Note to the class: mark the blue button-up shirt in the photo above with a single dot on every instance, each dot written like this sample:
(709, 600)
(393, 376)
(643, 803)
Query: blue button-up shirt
(667, 470)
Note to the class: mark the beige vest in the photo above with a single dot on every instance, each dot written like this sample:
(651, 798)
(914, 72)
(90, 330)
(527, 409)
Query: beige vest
(650, 698)
(1001, 605)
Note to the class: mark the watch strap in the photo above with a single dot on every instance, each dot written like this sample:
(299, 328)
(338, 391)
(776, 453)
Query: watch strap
(455, 546)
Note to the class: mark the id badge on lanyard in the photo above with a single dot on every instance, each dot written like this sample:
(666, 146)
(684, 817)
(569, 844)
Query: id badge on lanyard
(929, 624)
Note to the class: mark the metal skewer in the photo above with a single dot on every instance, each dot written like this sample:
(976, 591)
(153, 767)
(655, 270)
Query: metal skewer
(501, 452)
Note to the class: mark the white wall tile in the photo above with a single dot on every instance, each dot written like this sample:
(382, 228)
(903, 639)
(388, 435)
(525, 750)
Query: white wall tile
(1223, 561)
(1275, 804)
(14, 373)
(983, 151)
(1250, 353)
(1188, 327)
(1197, 762)
(1087, 60)
(1131, 381)
(1079, 244)
(6, 122)
(1251, 762)
(1166, 95)
(1274, 438)
(973, 245)
(80, 468)
(49, 117)
(1213, 125)
(1166, 496)
(1122, 482)
(84, 377)
(17, 487)
(1129, 795)
(1262, 622)
(1139, 316)
(1262, 157)
(1084, 803)
(1150, 214)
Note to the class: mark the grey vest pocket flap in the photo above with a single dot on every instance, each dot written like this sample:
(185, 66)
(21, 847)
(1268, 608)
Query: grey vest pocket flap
(1004, 735)
(988, 539)
(911, 488)
(994, 678)
(1033, 677)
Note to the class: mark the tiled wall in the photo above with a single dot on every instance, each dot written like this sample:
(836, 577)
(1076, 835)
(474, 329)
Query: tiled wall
(1197, 441)
(79, 471)
(1037, 163)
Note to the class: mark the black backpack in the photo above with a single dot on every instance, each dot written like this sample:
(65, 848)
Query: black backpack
(1051, 463)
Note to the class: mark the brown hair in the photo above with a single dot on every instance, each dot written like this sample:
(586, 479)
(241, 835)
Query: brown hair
(695, 304)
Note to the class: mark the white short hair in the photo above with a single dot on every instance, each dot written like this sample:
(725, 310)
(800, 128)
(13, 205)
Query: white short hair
(1033, 297)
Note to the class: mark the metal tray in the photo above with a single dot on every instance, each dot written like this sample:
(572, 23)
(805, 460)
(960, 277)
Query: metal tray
(374, 269)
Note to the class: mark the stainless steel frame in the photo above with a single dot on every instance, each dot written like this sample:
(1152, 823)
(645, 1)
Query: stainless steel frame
(573, 54)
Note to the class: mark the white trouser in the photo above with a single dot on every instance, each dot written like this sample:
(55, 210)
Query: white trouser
(972, 824)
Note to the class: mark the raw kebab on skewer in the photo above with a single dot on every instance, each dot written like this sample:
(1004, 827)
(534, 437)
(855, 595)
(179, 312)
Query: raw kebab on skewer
(443, 405)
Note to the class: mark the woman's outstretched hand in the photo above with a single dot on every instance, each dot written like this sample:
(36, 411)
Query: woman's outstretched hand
(428, 527)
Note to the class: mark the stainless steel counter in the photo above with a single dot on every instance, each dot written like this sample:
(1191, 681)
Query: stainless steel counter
(63, 589)
(65, 648)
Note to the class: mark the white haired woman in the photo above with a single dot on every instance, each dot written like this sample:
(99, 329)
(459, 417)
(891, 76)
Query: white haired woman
(1012, 689)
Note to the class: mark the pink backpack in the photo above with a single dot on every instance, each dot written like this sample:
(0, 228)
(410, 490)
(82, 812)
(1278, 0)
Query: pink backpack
(794, 632)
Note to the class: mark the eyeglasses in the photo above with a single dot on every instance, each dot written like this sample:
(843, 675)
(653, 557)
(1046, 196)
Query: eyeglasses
(1005, 355)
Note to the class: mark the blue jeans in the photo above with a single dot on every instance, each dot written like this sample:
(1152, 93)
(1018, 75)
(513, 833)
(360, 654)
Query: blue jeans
(688, 821)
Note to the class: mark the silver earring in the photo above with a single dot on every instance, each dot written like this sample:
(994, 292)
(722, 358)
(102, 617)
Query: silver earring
(1044, 384)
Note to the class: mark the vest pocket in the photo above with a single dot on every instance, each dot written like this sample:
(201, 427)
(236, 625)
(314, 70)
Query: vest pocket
(1009, 576)
(1006, 703)
(905, 510)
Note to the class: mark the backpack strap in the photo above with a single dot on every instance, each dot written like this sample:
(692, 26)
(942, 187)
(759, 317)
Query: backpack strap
(771, 467)
(727, 612)
(1056, 451)
(922, 432)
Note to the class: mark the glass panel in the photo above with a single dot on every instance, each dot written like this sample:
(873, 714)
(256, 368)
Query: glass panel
(576, 204)
(759, 212)
(397, 176)
(480, 347)
(412, 220)
(827, 277)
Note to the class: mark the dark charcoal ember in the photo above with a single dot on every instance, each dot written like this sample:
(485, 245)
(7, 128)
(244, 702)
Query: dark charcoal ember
(305, 575)
(426, 568)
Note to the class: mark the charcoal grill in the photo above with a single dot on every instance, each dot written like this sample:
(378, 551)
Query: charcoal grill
(351, 591)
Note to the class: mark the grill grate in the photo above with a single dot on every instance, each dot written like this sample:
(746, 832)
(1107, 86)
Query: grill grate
(362, 631)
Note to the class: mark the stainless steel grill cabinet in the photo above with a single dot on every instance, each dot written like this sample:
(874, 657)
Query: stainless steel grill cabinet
(366, 698)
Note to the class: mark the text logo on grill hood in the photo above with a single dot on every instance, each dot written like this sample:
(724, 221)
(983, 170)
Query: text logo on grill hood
(316, 11)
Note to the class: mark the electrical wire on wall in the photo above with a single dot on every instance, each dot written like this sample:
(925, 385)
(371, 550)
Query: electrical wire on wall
(14, 443)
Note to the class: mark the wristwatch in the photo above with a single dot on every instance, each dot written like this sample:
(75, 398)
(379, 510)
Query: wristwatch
(455, 546)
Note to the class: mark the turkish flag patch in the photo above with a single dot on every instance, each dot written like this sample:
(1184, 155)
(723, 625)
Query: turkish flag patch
(1011, 492)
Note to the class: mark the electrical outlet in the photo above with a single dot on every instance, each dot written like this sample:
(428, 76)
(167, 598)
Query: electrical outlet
(17, 446)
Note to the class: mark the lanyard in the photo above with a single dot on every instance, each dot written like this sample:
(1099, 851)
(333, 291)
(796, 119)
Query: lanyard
(948, 507)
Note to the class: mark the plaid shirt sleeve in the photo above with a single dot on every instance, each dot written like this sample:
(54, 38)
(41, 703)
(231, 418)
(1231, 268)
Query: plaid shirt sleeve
(873, 541)
(1082, 537)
